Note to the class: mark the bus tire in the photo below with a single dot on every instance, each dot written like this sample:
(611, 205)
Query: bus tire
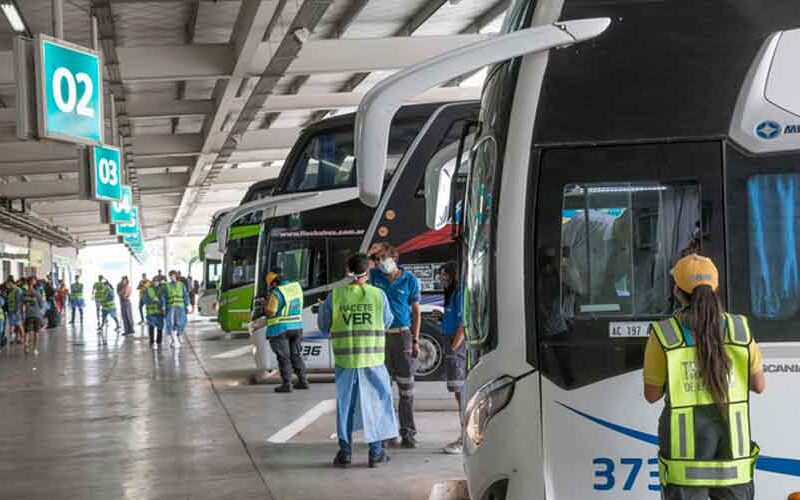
(430, 363)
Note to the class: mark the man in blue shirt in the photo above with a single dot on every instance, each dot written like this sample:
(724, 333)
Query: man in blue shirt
(402, 289)
(455, 349)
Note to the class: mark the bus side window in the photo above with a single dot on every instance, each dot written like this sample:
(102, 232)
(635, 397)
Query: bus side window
(618, 244)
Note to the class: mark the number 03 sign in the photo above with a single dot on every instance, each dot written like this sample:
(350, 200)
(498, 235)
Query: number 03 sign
(70, 92)
(106, 173)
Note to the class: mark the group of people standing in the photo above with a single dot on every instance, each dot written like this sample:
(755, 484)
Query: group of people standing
(24, 306)
(374, 325)
(165, 300)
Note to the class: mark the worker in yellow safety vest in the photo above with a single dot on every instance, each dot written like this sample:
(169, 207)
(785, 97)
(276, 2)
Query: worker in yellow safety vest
(357, 315)
(176, 299)
(284, 311)
(706, 363)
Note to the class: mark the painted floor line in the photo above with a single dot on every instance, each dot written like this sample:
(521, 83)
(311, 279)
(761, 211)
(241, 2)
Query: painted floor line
(234, 353)
(308, 418)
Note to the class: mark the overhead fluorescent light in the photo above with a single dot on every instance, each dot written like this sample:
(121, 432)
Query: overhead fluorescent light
(13, 15)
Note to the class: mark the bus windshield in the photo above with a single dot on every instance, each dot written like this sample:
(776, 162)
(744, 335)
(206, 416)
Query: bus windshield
(240, 263)
(211, 273)
(328, 162)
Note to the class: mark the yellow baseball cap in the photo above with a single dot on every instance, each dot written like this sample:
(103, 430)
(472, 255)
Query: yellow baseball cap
(695, 270)
(271, 276)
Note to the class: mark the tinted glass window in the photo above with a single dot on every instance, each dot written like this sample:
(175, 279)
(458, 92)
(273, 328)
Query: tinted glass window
(774, 237)
(240, 262)
(299, 260)
(213, 269)
(328, 161)
(619, 242)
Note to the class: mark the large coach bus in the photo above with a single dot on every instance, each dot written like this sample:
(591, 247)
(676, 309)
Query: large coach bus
(656, 128)
(310, 236)
(239, 262)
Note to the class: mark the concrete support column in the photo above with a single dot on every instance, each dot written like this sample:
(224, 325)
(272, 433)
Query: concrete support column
(58, 18)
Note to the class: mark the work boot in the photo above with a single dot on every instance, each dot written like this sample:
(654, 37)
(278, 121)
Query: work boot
(342, 460)
(283, 388)
(408, 441)
(301, 384)
(374, 462)
(454, 448)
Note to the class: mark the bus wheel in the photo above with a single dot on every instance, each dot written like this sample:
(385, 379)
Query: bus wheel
(430, 362)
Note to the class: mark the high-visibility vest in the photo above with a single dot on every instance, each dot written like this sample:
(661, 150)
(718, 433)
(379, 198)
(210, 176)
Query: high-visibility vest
(358, 334)
(108, 303)
(289, 315)
(76, 291)
(153, 302)
(175, 294)
(686, 394)
(13, 299)
(99, 291)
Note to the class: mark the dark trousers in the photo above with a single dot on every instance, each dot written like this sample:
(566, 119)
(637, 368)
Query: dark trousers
(80, 310)
(741, 492)
(400, 364)
(151, 330)
(287, 348)
(127, 314)
(141, 309)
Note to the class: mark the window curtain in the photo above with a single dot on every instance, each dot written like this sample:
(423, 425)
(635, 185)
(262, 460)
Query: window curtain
(774, 202)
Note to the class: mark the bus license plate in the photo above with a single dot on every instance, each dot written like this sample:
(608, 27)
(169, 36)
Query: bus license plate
(628, 329)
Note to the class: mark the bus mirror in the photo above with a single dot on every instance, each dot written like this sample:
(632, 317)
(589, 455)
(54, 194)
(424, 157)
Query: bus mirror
(438, 183)
(379, 105)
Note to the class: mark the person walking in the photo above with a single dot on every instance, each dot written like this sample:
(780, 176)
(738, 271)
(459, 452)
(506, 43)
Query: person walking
(176, 299)
(402, 344)
(356, 316)
(706, 363)
(34, 306)
(3, 338)
(284, 312)
(99, 295)
(108, 310)
(455, 349)
(124, 293)
(142, 287)
(155, 306)
(76, 299)
(14, 308)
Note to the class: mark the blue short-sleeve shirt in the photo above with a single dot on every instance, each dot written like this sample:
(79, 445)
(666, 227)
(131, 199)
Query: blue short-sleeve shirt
(402, 293)
(451, 319)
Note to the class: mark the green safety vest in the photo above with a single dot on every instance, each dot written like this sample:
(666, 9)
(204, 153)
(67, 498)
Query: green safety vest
(289, 315)
(76, 291)
(175, 294)
(154, 303)
(357, 330)
(99, 291)
(108, 302)
(686, 393)
(13, 295)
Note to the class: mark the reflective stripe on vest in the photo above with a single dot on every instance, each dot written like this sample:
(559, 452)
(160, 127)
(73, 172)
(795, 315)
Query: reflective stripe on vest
(153, 306)
(76, 291)
(289, 315)
(175, 294)
(686, 392)
(358, 334)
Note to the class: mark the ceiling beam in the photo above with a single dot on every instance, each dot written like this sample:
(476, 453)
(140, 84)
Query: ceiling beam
(143, 108)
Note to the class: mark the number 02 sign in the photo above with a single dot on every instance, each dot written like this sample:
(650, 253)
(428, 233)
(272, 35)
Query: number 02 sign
(106, 173)
(70, 92)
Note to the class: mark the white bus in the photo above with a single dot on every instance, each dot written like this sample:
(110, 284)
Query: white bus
(656, 127)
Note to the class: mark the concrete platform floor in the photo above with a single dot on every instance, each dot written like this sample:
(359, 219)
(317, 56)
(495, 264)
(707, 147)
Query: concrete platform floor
(124, 421)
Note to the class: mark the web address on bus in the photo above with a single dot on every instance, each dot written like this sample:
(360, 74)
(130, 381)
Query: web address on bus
(329, 232)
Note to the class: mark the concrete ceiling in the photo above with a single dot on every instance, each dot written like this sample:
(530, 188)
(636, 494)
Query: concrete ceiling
(210, 95)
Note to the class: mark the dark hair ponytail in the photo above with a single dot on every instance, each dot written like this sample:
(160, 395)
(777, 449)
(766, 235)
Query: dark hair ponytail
(713, 362)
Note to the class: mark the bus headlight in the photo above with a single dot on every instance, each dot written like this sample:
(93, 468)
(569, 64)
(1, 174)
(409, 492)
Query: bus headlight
(482, 407)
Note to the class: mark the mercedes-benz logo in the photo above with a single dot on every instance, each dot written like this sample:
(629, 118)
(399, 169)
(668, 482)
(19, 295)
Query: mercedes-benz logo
(768, 130)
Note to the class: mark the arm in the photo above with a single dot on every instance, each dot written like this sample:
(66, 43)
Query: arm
(273, 304)
(758, 382)
(388, 317)
(324, 317)
(655, 369)
(185, 297)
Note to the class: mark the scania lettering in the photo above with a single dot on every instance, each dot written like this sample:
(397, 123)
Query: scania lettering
(594, 167)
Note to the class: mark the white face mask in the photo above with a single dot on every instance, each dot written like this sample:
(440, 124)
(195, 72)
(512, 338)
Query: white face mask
(387, 265)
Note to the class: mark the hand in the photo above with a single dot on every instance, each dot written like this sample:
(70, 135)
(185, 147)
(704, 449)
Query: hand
(415, 348)
(456, 342)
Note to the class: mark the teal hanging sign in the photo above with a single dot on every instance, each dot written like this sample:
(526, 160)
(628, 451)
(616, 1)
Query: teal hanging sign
(106, 173)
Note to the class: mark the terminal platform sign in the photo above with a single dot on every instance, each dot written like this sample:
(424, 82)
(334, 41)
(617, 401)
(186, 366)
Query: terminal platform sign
(106, 173)
(131, 228)
(121, 212)
(69, 91)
